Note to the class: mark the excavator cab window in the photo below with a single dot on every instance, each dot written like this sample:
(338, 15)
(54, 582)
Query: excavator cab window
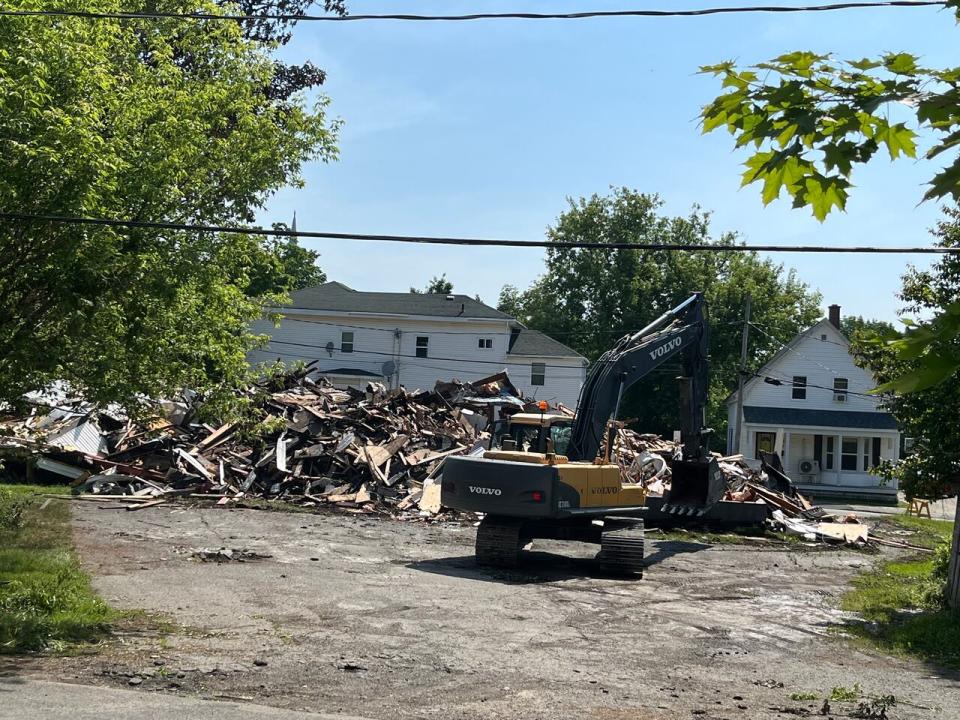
(560, 438)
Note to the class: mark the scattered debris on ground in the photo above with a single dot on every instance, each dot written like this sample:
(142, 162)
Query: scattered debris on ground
(645, 458)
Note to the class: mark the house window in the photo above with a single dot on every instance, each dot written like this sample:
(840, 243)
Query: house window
(828, 457)
(799, 387)
(423, 342)
(346, 342)
(538, 374)
(765, 442)
(848, 453)
(840, 389)
(485, 343)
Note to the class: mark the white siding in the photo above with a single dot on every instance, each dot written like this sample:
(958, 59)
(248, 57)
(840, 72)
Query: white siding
(820, 362)
(453, 351)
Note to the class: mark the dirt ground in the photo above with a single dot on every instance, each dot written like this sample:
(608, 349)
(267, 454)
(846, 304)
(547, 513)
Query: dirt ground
(385, 619)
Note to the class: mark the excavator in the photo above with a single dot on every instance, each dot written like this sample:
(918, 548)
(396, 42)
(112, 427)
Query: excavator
(528, 491)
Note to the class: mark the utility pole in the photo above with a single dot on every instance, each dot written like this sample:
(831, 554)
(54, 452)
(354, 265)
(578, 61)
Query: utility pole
(738, 426)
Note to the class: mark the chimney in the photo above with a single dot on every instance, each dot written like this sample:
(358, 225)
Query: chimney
(835, 316)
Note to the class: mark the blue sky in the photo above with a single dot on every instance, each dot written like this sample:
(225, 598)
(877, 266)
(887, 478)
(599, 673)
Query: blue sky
(484, 129)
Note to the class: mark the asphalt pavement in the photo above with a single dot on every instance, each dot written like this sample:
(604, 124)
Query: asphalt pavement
(22, 698)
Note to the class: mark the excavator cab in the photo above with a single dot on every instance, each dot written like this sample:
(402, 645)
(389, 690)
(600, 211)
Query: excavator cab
(695, 485)
(533, 432)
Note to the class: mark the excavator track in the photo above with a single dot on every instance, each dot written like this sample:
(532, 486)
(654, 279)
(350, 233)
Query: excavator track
(621, 549)
(499, 541)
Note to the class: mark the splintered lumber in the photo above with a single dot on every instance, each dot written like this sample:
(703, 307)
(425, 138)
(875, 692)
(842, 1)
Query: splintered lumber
(848, 532)
(436, 456)
(789, 507)
(380, 454)
(141, 506)
(430, 499)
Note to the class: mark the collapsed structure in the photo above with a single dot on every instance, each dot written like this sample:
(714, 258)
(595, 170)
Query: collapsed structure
(374, 452)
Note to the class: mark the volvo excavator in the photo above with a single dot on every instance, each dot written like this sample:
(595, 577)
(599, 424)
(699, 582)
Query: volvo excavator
(530, 491)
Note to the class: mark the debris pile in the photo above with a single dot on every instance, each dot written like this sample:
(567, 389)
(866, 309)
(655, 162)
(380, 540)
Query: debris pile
(372, 452)
(645, 458)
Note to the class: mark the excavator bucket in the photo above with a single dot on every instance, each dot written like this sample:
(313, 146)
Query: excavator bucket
(695, 486)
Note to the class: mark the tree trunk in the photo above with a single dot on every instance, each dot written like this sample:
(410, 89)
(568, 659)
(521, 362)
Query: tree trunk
(953, 576)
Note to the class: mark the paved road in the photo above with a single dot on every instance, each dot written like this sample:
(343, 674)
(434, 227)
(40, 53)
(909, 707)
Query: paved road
(24, 698)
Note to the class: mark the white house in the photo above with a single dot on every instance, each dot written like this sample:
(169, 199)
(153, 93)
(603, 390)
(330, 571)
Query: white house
(832, 432)
(414, 340)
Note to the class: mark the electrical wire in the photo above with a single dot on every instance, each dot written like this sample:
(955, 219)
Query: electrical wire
(481, 242)
(797, 352)
(780, 380)
(457, 370)
(407, 355)
(552, 334)
(700, 12)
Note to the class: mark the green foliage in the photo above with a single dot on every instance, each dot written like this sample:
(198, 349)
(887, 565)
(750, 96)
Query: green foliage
(45, 597)
(152, 120)
(856, 326)
(591, 297)
(917, 368)
(804, 696)
(845, 694)
(11, 509)
(437, 286)
(902, 604)
(267, 267)
(812, 118)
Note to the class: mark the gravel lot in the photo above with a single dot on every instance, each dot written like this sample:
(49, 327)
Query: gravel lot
(393, 620)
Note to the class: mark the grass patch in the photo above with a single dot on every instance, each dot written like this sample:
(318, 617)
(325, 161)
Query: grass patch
(901, 601)
(46, 601)
(925, 532)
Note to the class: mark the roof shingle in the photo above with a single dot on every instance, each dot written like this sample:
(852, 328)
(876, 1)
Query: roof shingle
(338, 297)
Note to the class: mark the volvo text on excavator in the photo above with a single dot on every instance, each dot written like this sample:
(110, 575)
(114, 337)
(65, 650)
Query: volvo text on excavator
(542, 490)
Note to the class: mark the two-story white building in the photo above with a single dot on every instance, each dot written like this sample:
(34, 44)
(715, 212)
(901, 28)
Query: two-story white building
(415, 339)
(814, 398)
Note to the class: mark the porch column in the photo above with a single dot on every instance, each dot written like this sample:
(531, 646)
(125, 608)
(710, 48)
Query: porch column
(838, 457)
(786, 451)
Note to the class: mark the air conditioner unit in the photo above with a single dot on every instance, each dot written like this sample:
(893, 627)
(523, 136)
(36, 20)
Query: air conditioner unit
(840, 397)
(809, 470)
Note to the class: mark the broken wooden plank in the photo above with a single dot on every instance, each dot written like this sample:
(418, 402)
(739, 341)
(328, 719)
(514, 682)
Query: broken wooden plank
(430, 499)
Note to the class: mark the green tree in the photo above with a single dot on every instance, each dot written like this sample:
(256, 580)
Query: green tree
(437, 286)
(591, 297)
(277, 265)
(105, 118)
(930, 416)
(810, 119)
(856, 326)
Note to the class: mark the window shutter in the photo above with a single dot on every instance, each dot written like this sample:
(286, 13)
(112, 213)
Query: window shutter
(875, 455)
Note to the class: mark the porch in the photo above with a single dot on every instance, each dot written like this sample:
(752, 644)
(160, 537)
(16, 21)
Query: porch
(826, 462)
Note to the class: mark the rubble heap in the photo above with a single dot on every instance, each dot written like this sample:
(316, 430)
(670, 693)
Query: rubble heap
(373, 452)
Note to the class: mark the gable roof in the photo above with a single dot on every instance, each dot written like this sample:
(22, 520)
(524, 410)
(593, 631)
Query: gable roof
(340, 298)
(527, 342)
(789, 347)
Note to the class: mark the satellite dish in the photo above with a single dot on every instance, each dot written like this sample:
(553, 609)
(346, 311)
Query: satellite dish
(330, 347)
(388, 368)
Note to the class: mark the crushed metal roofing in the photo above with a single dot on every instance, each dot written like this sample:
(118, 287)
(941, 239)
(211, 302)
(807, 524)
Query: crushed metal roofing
(338, 297)
(819, 418)
(524, 341)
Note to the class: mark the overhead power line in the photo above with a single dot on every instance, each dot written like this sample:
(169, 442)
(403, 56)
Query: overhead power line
(701, 12)
(476, 242)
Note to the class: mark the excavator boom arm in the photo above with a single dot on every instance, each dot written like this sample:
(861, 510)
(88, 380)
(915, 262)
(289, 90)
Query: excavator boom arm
(681, 331)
